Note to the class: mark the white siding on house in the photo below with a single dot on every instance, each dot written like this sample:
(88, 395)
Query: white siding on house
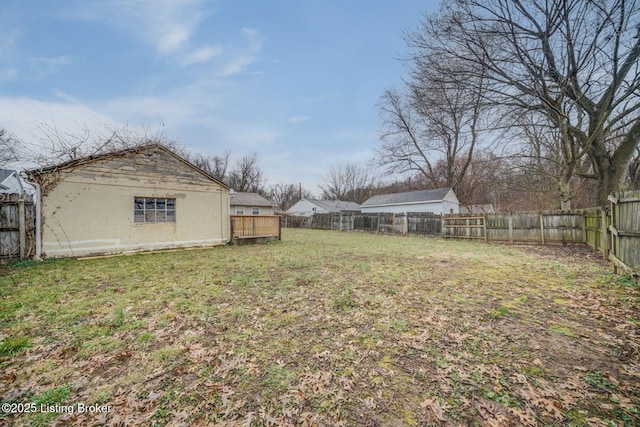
(250, 210)
(305, 208)
(445, 205)
(434, 207)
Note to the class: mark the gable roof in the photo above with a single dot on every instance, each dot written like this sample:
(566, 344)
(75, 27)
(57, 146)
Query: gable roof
(117, 153)
(240, 198)
(335, 205)
(6, 173)
(419, 196)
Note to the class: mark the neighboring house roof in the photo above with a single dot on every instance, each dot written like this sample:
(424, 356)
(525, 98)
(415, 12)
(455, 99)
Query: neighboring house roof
(5, 173)
(240, 198)
(335, 205)
(118, 153)
(6, 184)
(419, 196)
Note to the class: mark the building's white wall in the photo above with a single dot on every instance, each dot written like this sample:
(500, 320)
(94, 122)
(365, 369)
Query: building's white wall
(434, 207)
(305, 208)
(91, 209)
(264, 210)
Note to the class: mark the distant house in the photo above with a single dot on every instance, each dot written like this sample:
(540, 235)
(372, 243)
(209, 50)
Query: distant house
(10, 182)
(477, 209)
(308, 207)
(250, 204)
(439, 201)
(135, 199)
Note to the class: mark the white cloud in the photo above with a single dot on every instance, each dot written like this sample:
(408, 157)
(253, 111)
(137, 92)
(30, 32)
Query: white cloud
(202, 55)
(167, 25)
(22, 116)
(48, 65)
(244, 57)
(7, 74)
(298, 119)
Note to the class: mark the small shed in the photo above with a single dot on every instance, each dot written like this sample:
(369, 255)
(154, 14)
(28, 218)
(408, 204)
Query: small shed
(243, 203)
(142, 198)
(438, 201)
(308, 207)
(10, 182)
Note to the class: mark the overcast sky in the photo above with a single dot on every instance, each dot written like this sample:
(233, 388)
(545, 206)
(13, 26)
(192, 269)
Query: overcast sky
(296, 81)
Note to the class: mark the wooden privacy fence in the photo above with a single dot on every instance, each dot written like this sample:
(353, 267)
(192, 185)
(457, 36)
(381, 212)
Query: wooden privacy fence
(17, 227)
(614, 230)
(521, 227)
(624, 229)
(255, 228)
(416, 223)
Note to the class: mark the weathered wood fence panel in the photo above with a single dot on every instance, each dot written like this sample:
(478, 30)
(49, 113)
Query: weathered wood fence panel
(464, 227)
(255, 227)
(521, 227)
(17, 228)
(418, 223)
(423, 224)
(625, 231)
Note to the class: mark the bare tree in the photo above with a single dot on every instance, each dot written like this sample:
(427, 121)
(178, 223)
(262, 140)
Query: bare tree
(9, 150)
(246, 175)
(348, 182)
(576, 61)
(286, 195)
(216, 166)
(52, 144)
(552, 152)
(434, 127)
(634, 170)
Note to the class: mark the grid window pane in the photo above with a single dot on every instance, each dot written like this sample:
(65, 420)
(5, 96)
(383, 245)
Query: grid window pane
(153, 209)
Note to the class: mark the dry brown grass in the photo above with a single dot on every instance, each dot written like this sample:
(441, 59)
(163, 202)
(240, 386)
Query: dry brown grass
(325, 328)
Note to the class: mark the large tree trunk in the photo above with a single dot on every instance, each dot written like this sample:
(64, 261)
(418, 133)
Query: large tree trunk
(611, 169)
(564, 192)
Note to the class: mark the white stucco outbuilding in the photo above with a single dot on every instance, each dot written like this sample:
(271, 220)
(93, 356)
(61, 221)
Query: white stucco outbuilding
(142, 198)
(438, 201)
(308, 207)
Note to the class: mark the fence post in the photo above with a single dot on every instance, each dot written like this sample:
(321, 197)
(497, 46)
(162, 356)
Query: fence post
(541, 229)
(22, 228)
(484, 226)
(605, 233)
(405, 228)
(510, 221)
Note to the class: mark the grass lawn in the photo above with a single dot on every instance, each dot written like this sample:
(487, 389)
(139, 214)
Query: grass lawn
(324, 328)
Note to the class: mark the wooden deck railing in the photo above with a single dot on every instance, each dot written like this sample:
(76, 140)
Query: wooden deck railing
(255, 226)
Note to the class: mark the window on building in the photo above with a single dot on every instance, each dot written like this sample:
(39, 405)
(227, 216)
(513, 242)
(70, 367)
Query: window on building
(255, 211)
(153, 209)
(239, 210)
